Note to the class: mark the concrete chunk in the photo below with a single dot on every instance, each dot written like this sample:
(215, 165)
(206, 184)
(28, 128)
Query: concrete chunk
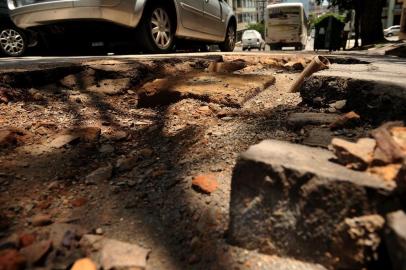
(289, 199)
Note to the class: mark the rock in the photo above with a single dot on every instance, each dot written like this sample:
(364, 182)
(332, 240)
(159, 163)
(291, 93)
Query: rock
(399, 135)
(357, 155)
(146, 152)
(347, 120)
(11, 242)
(41, 220)
(100, 175)
(295, 65)
(63, 234)
(226, 67)
(366, 230)
(395, 239)
(27, 239)
(79, 202)
(318, 136)
(106, 149)
(84, 264)
(11, 259)
(88, 134)
(62, 140)
(206, 183)
(288, 199)
(339, 105)
(37, 251)
(389, 172)
(299, 120)
(115, 254)
(7, 138)
(126, 163)
(204, 87)
(118, 135)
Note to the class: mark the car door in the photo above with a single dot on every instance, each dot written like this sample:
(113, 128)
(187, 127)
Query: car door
(191, 13)
(96, 3)
(213, 16)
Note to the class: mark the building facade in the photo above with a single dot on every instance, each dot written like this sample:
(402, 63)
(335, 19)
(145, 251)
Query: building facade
(392, 12)
(246, 13)
(402, 34)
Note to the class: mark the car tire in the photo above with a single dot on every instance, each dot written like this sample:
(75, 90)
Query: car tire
(13, 41)
(389, 35)
(157, 29)
(229, 43)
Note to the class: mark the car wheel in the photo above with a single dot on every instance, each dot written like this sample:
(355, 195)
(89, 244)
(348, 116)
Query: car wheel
(12, 41)
(229, 42)
(158, 29)
(389, 35)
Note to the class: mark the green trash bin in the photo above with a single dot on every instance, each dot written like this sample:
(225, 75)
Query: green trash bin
(329, 34)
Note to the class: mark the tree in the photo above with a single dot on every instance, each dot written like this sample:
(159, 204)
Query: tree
(367, 18)
(260, 27)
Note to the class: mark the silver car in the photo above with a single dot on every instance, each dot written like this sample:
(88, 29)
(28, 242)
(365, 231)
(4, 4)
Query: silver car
(158, 24)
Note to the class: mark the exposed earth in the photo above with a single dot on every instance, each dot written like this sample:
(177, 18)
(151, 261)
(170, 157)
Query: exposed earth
(143, 150)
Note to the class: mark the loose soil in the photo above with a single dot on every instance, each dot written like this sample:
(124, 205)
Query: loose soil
(151, 201)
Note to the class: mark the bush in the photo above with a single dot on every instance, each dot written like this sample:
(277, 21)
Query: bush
(260, 27)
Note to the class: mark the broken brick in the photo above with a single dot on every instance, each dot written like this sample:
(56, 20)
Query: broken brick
(355, 155)
(206, 183)
(347, 120)
(11, 259)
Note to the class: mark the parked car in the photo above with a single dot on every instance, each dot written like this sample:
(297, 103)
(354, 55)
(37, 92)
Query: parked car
(156, 25)
(392, 31)
(13, 40)
(252, 39)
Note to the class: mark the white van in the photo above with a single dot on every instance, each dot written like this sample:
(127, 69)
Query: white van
(286, 26)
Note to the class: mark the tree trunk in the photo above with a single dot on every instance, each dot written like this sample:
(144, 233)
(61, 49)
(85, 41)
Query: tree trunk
(371, 22)
(356, 26)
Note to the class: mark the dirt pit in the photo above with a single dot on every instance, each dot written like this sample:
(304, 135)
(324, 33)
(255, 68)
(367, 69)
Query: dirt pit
(132, 175)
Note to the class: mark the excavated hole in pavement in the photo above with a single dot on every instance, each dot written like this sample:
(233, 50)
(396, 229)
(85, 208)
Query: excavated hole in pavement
(376, 102)
(112, 80)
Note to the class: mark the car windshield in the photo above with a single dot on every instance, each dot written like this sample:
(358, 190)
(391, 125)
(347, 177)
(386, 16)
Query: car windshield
(249, 35)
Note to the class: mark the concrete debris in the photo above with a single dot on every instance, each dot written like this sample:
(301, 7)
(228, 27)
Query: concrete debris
(318, 136)
(358, 240)
(295, 65)
(357, 155)
(389, 172)
(100, 175)
(37, 251)
(63, 139)
(395, 239)
(339, 105)
(240, 88)
(226, 67)
(86, 134)
(11, 259)
(7, 138)
(287, 199)
(126, 163)
(113, 254)
(41, 220)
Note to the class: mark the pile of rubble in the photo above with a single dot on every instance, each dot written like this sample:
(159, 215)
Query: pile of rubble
(383, 155)
(313, 205)
(65, 246)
